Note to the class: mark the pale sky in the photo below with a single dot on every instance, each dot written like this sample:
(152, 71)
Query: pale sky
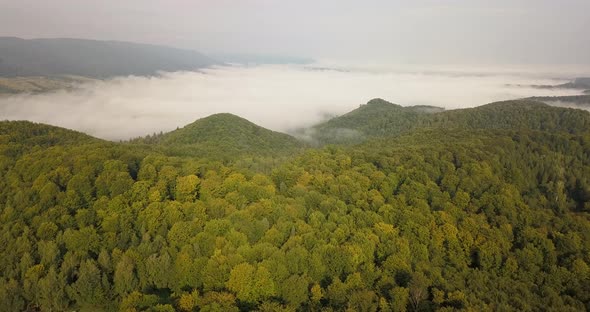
(418, 32)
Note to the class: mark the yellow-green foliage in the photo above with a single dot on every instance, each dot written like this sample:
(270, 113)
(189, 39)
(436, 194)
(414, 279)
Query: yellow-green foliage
(449, 219)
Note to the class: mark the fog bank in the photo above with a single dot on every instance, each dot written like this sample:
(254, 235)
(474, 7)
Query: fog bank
(277, 97)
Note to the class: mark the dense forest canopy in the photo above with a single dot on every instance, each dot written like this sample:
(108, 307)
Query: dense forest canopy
(417, 209)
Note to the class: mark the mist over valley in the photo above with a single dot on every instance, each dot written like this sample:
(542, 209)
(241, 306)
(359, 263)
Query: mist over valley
(279, 97)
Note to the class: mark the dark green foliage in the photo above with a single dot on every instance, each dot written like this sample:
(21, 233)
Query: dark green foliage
(223, 135)
(480, 209)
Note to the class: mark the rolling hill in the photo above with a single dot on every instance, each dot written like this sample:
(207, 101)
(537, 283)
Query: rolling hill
(92, 58)
(376, 118)
(223, 134)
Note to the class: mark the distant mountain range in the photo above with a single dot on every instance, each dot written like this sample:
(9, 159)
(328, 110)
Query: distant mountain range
(92, 58)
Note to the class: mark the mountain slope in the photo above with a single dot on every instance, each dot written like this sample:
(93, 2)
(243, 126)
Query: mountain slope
(92, 58)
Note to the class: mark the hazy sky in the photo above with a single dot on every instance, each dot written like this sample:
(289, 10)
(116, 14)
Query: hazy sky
(428, 31)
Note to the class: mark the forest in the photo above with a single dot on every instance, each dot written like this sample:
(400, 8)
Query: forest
(386, 208)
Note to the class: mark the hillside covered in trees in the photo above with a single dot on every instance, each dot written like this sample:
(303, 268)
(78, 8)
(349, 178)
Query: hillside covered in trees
(417, 209)
(379, 118)
(223, 136)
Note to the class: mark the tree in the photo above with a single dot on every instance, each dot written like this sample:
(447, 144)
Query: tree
(400, 298)
(52, 295)
(295, 290)
(89, 288)
(418, 289)
(241, 282)
(125, 280)
(218, 301)
(187, 188)
(216, 272)
(188, 301)
(12, 300)
(250, 284)
(317, 293)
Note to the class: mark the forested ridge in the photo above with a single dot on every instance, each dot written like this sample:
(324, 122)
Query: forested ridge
(379, 118)
(483, 209)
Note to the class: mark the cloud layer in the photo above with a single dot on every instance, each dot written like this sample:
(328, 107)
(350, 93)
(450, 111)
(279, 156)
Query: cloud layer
(277, 97)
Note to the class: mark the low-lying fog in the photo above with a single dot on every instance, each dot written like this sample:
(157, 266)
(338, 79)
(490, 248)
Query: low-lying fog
(277, 97)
